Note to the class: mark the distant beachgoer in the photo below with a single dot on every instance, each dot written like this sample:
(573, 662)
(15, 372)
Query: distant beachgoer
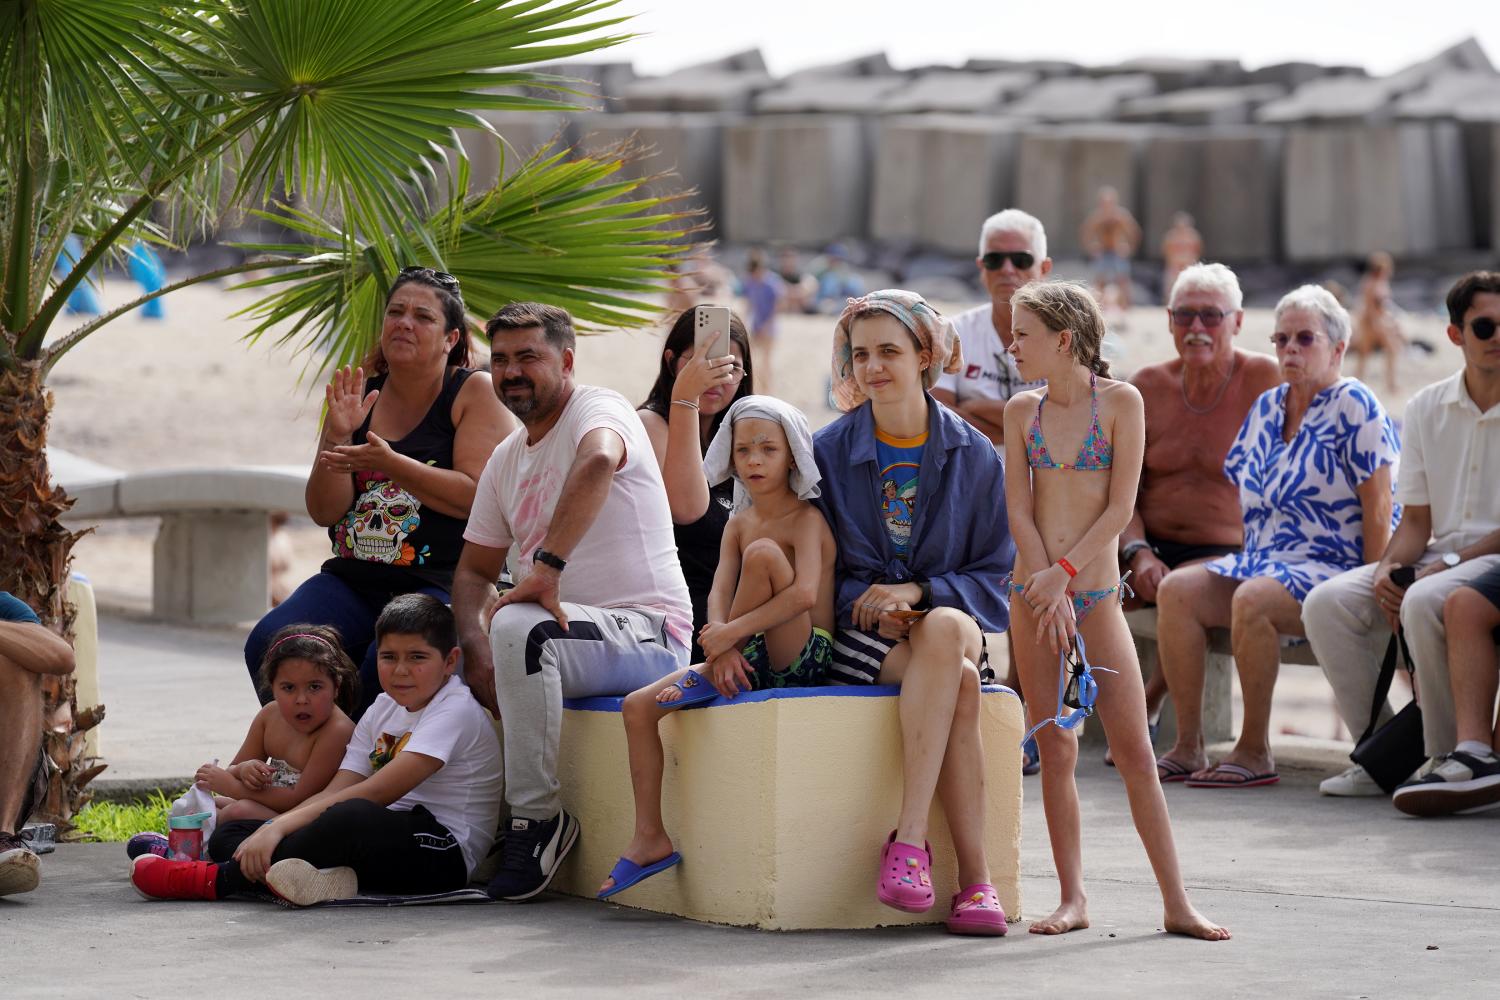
(1375, 325)
(1181, 247)
(1012, 252)
(1110, 236)
(682, 411)
(279, 555)
(764, 291)
(801, 284)
(837, 282)
(696, 280)
(399, 457)
(146, 270)
(83, 301)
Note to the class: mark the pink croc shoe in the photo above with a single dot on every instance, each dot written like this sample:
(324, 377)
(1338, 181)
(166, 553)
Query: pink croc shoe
(905, 876)
(977, 910)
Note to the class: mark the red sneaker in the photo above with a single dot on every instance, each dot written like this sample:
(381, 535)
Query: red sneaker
(158, 878)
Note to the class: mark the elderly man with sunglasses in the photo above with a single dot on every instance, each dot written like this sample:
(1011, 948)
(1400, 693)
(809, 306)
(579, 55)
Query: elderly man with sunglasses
(1186, 511)
(1012, 251)
(1449, 531)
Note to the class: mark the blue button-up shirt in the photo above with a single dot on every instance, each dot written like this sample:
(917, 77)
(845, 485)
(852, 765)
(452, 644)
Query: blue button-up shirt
(960, 537)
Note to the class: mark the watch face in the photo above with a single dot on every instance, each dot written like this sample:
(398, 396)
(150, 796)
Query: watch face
(1451, 559)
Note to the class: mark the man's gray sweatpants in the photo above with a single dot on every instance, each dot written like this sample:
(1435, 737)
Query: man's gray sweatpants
(606, 651)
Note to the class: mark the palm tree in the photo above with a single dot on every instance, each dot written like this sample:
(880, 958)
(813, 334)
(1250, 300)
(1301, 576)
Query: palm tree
(126, 120)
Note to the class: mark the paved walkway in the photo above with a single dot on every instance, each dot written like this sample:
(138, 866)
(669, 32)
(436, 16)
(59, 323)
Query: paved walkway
(1325, 898)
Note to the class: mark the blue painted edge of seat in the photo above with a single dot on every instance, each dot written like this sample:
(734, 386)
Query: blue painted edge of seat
(612, 703)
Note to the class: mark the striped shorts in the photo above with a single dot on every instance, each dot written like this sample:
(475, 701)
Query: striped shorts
(858, 655)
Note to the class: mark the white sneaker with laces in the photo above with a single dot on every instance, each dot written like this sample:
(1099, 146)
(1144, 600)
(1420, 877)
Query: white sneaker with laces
(1351, 784)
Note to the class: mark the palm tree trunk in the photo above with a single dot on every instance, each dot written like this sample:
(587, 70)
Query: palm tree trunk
(37, 553)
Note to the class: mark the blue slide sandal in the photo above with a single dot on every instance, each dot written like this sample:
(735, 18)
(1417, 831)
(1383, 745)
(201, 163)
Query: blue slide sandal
(627, 873)
(695, 690)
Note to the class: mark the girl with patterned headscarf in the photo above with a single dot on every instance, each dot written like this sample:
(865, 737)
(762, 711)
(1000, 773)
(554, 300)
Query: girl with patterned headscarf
(916, 501)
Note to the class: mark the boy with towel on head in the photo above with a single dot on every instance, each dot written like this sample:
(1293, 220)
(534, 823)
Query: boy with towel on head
(770, 613)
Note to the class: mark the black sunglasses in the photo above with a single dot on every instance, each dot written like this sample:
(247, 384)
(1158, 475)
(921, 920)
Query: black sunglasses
(1211, 317)
(1483, 328)
(440, 278)
(995, 259)
(1304, 338)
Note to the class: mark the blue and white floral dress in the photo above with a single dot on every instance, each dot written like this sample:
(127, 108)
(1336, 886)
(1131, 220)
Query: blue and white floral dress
(1303, 520)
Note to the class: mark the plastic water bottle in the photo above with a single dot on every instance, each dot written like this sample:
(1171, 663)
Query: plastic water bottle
(185, 837)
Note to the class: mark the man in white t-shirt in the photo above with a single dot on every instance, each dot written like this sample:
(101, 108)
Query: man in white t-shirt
(600, 606)
(1012, 251)
(1449, 532)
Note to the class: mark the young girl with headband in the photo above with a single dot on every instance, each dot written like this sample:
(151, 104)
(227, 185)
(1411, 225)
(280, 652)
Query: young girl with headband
(1073, 457)
(295, 743)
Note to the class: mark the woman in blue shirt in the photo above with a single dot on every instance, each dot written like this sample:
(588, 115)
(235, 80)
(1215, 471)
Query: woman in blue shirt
(916, 501)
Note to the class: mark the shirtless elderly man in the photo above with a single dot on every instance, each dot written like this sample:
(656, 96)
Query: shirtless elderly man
(1012, 251)
(1186, 510)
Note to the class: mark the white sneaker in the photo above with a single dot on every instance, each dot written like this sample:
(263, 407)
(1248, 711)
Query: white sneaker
(1353, 783)
(299, 883)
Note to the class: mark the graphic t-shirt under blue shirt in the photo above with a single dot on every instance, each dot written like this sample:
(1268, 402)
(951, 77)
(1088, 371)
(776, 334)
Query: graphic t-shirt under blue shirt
(900, 460)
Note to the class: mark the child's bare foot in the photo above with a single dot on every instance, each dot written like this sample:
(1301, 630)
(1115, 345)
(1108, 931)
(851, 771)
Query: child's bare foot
(1070, 916)
(668, 694)
(643, 850)
(1191, 923)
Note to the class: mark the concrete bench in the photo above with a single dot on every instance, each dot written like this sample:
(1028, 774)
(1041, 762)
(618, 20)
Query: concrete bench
(1218, 681)
(779, 802)
(209, 559)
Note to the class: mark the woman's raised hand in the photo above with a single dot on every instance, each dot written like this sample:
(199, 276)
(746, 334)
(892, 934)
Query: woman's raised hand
(346, 410)
(698, 375)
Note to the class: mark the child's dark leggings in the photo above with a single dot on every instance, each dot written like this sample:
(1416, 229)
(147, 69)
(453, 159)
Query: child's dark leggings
(392, 851)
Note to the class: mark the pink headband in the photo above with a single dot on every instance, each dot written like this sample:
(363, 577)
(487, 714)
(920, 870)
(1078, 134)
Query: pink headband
(301, 635)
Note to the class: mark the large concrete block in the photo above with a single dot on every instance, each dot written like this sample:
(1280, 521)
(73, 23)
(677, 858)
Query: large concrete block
(938, 177)
(1341, 98)
(1451, 93)
(952, 90)
(797, 178)
(210, 567)
(841, 95)
(696, 90)
(789, 836)
(1079, 99)
(872, 64)
(1352, 189)
(1059, 172)
(604, 79)
(689, 145)
(1229, 179)
(1170, 73)
(1203, 106)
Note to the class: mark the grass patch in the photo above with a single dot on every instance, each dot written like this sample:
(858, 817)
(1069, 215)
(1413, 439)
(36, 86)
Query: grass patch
(116, 822)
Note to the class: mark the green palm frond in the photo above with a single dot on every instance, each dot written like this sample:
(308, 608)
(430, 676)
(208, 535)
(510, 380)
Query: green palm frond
(569, 232)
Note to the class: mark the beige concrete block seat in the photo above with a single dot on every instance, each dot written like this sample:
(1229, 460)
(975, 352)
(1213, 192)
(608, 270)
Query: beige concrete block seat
(779, 802)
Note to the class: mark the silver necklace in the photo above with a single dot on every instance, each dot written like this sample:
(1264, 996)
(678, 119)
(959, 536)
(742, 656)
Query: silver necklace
(1217, 399)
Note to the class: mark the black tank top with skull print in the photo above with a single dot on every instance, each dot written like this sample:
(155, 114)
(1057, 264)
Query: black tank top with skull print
(389, 543)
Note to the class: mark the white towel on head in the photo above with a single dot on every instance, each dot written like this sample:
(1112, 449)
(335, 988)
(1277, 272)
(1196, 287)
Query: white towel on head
(718, 462)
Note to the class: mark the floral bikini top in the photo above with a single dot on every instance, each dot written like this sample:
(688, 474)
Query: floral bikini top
(1096, 454)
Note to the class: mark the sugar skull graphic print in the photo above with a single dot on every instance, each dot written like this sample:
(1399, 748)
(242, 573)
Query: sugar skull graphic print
(376, 528)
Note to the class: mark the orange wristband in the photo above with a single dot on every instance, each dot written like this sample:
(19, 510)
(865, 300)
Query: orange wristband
(1067, 567)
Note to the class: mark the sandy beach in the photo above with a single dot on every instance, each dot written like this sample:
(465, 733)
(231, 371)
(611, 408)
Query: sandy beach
(187, 391)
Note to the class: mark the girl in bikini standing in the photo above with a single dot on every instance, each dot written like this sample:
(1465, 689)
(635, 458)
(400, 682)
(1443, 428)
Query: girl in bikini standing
(1066, 518)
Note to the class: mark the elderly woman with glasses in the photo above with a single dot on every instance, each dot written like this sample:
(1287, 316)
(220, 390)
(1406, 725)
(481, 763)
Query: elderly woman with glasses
(399, 456)
(1313, 463)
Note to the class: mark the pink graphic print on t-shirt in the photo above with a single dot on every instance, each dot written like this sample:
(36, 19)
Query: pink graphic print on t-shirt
(536, 499)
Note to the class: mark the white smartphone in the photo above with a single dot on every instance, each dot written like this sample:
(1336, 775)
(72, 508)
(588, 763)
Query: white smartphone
(711, 331)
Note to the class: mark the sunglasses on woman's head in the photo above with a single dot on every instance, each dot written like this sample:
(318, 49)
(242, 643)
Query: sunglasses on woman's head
(1210, 317)
(995, 259)
(440, 278)
(1482, 328)
(1304, 338)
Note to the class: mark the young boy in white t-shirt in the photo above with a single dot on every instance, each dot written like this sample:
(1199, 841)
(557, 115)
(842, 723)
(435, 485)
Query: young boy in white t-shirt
(412, 809)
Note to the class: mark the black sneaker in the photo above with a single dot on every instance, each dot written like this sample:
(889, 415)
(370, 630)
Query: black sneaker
(530, 853)
(19, 869)
(1460, 783)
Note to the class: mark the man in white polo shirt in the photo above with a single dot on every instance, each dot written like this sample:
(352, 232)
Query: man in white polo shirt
(600, 606)
(1012, 251)
(1450, 530)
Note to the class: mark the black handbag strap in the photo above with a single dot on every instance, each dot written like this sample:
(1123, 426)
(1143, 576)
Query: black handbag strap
(1383, 683)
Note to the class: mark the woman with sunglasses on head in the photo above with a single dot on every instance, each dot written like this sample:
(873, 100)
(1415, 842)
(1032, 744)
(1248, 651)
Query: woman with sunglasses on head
(1313, 463)
(681, 413)
(399, 455)
(1073, 459)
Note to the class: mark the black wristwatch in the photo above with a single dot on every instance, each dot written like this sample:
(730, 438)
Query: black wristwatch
(548, 559)
(925, 602)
